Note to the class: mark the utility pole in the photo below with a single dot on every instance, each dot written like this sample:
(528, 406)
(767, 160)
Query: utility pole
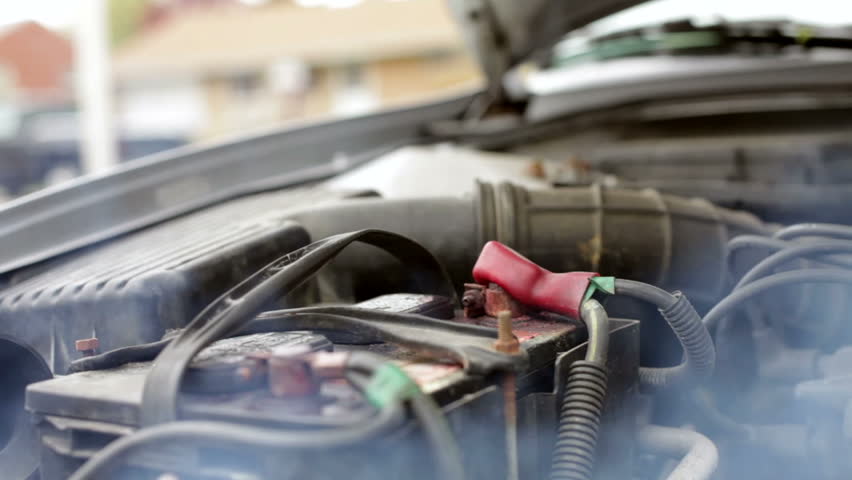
(98, 146)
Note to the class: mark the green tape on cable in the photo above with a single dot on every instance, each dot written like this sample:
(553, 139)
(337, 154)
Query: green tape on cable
(390, 384)
(803, 35)
(603, 284)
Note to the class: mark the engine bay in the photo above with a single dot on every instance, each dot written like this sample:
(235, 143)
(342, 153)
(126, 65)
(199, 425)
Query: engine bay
(503, 323)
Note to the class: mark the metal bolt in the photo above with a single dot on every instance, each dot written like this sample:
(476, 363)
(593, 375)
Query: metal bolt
(473, 300)
(497, 300)
(87, 346)
(506, 342)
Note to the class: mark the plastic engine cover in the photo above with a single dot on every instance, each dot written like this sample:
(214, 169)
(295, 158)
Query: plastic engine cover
(132, 291)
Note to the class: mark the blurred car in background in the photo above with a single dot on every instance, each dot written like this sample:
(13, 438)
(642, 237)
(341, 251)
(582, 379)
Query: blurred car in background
(41, 147)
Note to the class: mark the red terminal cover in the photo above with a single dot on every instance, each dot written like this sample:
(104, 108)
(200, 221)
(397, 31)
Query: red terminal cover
(530, 284)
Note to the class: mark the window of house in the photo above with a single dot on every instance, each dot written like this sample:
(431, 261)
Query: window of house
(354, 93)
(245, 84)
(353, 75)
(289, 76)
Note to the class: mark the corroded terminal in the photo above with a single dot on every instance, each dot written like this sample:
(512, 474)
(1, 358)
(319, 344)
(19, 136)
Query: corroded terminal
(506, 342)
(87, 346)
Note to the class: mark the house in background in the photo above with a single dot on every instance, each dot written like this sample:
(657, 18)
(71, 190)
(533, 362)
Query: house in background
(36, 66)
(233, 67)
(35, 63)
(39, 122)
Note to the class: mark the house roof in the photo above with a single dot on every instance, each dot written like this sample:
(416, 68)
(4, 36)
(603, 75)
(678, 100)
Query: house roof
(236, 37)
(38, 59)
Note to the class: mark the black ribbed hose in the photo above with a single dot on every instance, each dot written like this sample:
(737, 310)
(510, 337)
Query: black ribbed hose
(698, 347)
(583, 402)
(579, 419)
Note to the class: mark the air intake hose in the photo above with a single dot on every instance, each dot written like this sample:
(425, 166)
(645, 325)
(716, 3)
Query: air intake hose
(638, 234)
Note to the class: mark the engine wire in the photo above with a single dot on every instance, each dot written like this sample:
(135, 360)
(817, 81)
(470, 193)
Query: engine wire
(360, 366)
(195, 432)
(830, 230)
(698, 347)
(237, 307)
(738, 297)
(791, 253)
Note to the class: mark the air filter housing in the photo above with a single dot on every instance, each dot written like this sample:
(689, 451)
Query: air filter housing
(132, 291)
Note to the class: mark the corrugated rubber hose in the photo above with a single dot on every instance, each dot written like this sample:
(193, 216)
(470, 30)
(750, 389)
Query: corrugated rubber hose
(579, 419)
(699, 350)
(699, 455)
(583, 402)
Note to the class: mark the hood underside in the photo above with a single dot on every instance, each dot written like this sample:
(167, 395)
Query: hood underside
(503, 33)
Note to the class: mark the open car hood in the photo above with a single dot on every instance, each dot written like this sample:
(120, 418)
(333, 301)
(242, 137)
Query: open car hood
(503, 33)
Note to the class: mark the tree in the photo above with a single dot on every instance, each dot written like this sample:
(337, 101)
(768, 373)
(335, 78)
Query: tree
(125, 18)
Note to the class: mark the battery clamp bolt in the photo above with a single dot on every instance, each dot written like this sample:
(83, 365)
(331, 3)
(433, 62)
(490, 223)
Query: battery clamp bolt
(506, 342)
(87, 346)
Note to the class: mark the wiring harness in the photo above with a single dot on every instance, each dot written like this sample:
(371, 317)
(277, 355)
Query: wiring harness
(384, 385)
(804, 256)
(797, 249)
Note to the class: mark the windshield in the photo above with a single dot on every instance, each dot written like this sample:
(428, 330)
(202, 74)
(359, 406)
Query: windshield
(684, 38)
(818, 12)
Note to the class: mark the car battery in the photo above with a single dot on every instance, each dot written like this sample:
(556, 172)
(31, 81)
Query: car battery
(78, 414)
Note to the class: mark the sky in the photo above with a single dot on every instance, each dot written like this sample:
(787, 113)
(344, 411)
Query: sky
(61, 13)
(819, 12)
(52, 13)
